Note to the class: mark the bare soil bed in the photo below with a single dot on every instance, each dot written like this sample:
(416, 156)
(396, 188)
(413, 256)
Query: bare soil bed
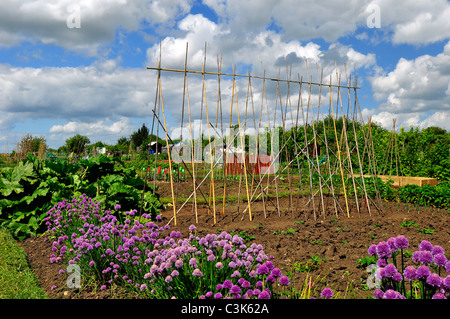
(293, 237)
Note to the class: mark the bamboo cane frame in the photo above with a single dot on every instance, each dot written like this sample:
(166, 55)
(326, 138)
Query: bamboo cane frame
(313, 167)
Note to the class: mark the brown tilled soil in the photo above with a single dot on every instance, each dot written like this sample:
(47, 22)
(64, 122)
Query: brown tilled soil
(293, 236)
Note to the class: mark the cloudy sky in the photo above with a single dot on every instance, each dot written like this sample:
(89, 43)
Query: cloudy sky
(69, 67)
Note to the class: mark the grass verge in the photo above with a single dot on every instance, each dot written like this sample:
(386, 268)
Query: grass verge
(17, 281)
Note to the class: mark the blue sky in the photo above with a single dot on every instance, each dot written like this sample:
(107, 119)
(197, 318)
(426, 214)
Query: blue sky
(57, 81)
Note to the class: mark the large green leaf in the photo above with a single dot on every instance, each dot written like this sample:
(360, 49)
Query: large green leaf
(7, 187)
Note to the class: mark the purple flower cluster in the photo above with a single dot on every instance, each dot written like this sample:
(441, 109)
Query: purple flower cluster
(152, 262)
(429, 261)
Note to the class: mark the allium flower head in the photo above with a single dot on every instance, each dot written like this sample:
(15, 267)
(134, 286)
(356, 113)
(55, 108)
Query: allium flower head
(440, 260)
(372, 250)
(390, 270)
(264, 295)
(446, 283)
(390, 294)
(284, 281)
(227, 284)
(397, 277)
(401, 242)
(425, 257)
(410, 273)
(425, 245)
(439, 295)
(235, 290)
(434, 280)
(383, 249)
(437, 250)
(263, 270)
(378, 294)
(276, 272)
(197, 273)
(391, 244)
(326, 293)
(422, 272)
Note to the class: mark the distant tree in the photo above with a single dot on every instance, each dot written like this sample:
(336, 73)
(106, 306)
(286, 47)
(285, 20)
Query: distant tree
(77, 144)
(123, 141)
(139, 136)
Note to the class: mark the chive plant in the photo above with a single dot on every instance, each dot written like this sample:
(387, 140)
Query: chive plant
(153, 262)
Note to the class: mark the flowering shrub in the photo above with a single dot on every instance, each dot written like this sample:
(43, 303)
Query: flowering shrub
(428, 275)
(154, 262)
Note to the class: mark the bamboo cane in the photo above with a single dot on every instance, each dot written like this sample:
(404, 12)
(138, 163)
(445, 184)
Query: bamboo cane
(317, 157)
(359, 157)
(243, 153)
(209, 140)
(168, 153)
(339, 154)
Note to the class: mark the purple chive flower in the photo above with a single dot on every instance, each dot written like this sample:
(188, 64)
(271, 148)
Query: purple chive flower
(175, 273)
(425, 245)
(391, 244)
(269, 265)
(422, 272)
(446, 283)
(235, 290)
(390, 294)
(246, 283)
(390, 270)
(447, 266)
(179, 263)
(218, 296)
(192, 228)
(440, 260)
(263, 270)
(270, 279)
(434, 280)
(276, 272)
(197, 273)
(372, 250)
(209, 294)
(378, 294)
(397, 277)
(410, 273)
(143, 287)
(227, 284)
(219, 265)
(168, 279)
(264, 295)
(415, 256)
(326, 293)
(117, 207)
(193, 262)
(383, 249)
(425, 257)
(439, 295)
(284, 281)
(381, 262)
(437, 250)
(401, 242)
